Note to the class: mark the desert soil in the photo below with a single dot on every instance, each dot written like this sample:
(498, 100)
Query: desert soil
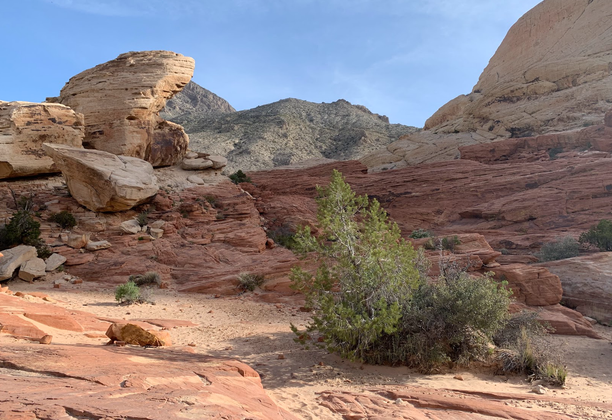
(258, 334)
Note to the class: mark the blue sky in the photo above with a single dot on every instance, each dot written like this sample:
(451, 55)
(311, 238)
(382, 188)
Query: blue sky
(401, 58)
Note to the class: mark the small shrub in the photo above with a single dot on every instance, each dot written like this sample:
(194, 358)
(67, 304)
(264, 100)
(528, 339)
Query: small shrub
(450, 242)
(552, 153)
(142, 218)
(249, 281)
(420, 233)
(283, 235)
(599, 236)
(239, 177)
(64, 218)
(211, 200)
(21, 229)
(42, 249)
(148, 278)
(525, 349)
(564, 248)
(127, 293)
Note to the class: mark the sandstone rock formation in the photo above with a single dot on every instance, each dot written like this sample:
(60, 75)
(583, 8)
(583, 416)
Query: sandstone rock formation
(192, 103)
(101, 181)
(587, 284)
(551, 73)
(85, 380)
(66, 381)
(290, 131)
(25, 126)
(121, 100)
(418, 403)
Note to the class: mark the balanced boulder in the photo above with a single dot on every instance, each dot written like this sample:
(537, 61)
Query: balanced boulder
(101, 181)
(24, 126)
(121, 100)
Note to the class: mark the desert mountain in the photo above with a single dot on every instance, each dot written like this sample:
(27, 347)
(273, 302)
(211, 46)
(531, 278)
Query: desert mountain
(291, 131)
(194, 101)
(552, 73)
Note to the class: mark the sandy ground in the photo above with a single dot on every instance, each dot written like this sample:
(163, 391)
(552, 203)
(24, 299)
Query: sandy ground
(258, 334)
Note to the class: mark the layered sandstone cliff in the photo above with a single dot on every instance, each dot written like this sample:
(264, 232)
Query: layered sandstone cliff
(121, 100)
(25, 126)
(552, 72)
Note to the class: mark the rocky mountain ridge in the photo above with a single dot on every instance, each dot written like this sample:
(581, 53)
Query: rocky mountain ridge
(290, 131)
(194, 101)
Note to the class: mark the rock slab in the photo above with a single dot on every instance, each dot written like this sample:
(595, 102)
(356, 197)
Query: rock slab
(101, 181)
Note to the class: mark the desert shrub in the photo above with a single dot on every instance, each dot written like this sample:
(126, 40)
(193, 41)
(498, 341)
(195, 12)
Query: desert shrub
(64, 218)
(142, 218)
(451, 320)
(566, 247)
(127, 293)
(21, 229)
(420, 233)
(526, 349)
(552, 153)
(370, 296)
(247, 282)
(148, 278)
(599, 236)
(450, 242)
(239, 177)
(283, 235)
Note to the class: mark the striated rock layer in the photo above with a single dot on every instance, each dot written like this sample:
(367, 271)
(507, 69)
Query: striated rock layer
(121, 100)
(25, 126)
(552, 72)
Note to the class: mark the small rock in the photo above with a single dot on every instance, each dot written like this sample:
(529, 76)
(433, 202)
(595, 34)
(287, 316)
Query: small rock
(156, 233)
(281, 356)
(158, 224)
(98, 245)
(32, 269)
(76, 281)
(191, 155)
(56, 286)
(192, 344)
(459, 377)
(46, 339)
(77, 240)
(194, 179)
(539, 389)
(130, 226)
(399, 401)
(218, 162)
(196, 164)
(54, 261)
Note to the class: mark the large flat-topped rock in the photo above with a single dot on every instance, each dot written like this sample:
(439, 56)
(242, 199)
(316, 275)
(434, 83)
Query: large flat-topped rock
(121, 100)
(24, 126)
(102, 181)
